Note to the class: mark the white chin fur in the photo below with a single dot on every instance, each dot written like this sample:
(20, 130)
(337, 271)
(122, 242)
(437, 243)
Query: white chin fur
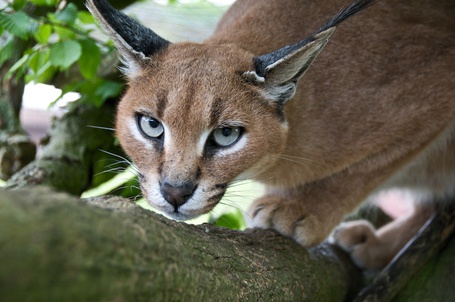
(193, 208)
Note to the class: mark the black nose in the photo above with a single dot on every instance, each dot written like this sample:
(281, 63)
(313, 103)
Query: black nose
(177, 195)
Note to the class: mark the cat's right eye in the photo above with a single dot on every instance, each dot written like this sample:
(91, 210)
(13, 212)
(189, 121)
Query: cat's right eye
(150, 127)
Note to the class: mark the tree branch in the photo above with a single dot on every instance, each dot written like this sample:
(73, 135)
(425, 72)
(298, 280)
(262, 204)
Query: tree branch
(71, 156)
(54, 247)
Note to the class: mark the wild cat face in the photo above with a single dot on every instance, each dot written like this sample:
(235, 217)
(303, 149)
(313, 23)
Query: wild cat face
(198, 116)
(192, 125)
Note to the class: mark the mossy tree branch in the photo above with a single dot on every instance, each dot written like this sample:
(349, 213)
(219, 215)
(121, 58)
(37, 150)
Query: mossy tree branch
(57, 248)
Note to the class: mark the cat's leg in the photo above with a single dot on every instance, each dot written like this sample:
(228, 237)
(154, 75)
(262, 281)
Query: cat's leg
(308, 213)
(433, 173)
(290, 217)
(373, 249)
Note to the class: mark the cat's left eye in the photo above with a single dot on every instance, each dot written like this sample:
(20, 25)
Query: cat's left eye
(227, 136)
(150, 127)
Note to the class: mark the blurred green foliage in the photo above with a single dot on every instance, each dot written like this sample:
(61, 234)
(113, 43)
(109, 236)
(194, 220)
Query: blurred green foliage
(231, 220)
(59, 44)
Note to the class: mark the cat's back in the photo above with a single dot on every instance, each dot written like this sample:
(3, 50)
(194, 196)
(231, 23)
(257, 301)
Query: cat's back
(262, 26)
(375, 84)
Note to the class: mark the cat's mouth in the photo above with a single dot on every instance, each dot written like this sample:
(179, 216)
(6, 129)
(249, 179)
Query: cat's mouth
(201, 201)
(190, 210)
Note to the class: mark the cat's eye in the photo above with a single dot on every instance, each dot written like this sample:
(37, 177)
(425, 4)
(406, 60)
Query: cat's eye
(227, 136)
(149, 126)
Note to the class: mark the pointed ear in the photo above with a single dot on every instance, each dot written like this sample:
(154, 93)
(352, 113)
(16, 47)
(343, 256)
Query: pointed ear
(135, 42)
(277, 73)
(280, 71)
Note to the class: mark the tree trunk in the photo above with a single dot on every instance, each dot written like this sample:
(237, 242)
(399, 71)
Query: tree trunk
(16, 147)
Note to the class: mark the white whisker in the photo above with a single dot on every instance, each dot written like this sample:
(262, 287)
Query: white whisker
(138, 196)
(115, 161)
(297, 159)
(232, 204)
(118, 156)
(101, 128)
(239, 195)
(116, 170)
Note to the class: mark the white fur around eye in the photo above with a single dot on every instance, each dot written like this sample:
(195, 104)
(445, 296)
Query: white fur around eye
(132, 125)
(167, 136)
(202, 141)
(235, 147)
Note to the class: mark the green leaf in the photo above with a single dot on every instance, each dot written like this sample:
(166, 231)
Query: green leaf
(43, 33)
(96, 91)
(63, 54)
(18, 4)
(68, 15)
(232, 220)
(6, 50)
(85, 17)
(107, 89)
(18, 24)
(17, 67)
(60, 28)
(65, 33)
(38, 59)
(45, 2)
(43, 74)
(90, 58)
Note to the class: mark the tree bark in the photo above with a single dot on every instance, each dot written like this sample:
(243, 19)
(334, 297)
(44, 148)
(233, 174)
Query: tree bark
(57, 248)
(73, 154)
(16, 147)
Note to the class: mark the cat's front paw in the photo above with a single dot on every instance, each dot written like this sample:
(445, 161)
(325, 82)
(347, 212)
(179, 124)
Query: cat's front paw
(359, 239)
(289, 218)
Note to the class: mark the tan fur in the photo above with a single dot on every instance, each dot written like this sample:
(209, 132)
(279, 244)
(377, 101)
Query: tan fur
(376, 110)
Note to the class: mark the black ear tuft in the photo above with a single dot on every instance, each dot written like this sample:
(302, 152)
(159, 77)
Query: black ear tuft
(133, 40)
(347, 12)
(263, 61)
(283, 68)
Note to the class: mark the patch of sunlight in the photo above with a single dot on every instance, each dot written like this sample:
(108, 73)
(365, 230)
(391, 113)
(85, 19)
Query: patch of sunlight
(41, 96)
(239, 196)
(237, 200)
(110, 185)
(2, 183)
